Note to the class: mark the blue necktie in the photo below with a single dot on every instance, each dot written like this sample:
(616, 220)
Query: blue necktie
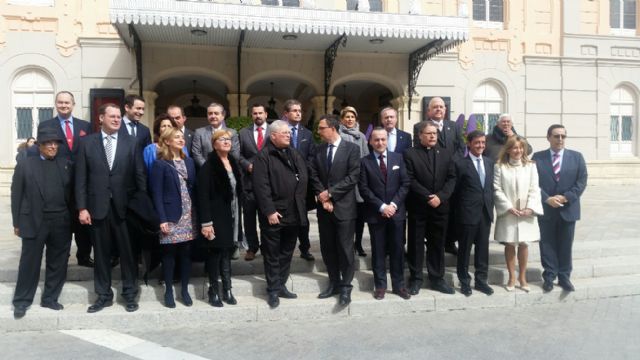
(294, 137)
(480, 171)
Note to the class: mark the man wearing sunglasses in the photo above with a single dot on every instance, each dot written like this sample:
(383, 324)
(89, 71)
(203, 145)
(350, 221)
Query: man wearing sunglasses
(562, 179)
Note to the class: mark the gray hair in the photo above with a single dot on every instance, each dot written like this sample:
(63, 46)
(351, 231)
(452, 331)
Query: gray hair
(278, 126)
(505, 115)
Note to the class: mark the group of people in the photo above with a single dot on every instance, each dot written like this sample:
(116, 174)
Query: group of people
(202, 192)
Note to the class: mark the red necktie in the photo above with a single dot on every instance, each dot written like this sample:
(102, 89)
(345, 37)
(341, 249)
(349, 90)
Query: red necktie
(383, 168)
(260, 138)
(68, 134)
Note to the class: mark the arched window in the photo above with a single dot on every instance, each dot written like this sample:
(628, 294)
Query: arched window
(623, 119)
(32, 100)
(488, 104)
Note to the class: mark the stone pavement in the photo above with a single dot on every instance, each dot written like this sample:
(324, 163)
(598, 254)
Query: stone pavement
(605, 251)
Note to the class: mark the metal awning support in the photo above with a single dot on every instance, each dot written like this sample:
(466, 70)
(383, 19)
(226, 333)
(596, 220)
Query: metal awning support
(137, 46)
(329, 58)
(417, 59)
(239, 65)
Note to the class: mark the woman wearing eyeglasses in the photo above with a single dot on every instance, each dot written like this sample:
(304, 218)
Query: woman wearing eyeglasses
(518, 204)
(219, 189)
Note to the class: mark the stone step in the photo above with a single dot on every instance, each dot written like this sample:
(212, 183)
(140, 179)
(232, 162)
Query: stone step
(152, 315)
(313, 282)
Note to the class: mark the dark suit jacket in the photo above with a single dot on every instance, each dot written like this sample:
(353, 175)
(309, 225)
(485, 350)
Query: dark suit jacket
(143, 135)
(449, 139)
(306, 145)
(341, 181)
(403, 141)
(164, 186)
(248, 152)
(202, 147)
(472, 200)
(573, 181)
(96, 185)
(188, 138)
(427, 180)
(81, 129)
(375, 191)
(27, 199)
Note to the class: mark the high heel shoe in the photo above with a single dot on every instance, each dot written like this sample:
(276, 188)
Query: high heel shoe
(510, 288)
(525, 288)
(227, 296)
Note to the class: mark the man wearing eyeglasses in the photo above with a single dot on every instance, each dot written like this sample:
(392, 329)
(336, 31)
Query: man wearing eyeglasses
(562, 179)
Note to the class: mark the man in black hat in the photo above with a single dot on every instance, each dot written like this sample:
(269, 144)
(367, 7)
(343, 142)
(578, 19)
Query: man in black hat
(40, 207)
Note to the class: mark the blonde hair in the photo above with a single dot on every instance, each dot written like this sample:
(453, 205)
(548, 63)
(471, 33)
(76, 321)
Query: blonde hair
(348, 109)
(503, 156)
(164, 151)
(218, 134)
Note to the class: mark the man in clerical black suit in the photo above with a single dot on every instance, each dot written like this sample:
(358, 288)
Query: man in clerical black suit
(474, 215)
(109, 171)
(383, 186)
(176, 113)
(335, 171)
(562, 178)
(252, 139)
(433, 179)
(71, 130)
(397, 141)
(41, 212)
(131, 125)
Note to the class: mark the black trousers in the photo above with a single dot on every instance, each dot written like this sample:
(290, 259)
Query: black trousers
(556, 242)
(387, 236)
(277, 250)
(303, 236)
(218, 265)
(55, 234)
(249, 213)
(470, 235)
(359, 224)
(81, 237)
(433, 227)
(107, 234)
(336, 246)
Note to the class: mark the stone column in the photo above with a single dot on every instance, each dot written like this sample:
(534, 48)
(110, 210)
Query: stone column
(233, 104)
(318, 105)
(150, 97)
(400, 103)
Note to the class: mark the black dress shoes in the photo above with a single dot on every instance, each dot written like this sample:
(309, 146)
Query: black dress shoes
(86, 262)
(99, 305)
(465, 289)
(484, 288)
(214, 299)
(378, 294)
(403, 293)
(286, 294)
(273, 300)
(186, 299)
(329, 292)
(132, 305)
(19, 312)
(442, 286)
(307, 256)
(566, 285)
(53, 305)
(547, 286)
(168, 300)
(115, 262)
(227, 296)
(360, 251)
(345, 297)
(414, 288)
(451, 249)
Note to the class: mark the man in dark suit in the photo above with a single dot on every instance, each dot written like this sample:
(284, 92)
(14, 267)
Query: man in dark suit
(474, 215)
(383, 186)
(433, 179)
(252, 139)
(201, 146)
(562, 178)
(301, 140)
(280, 182)
(131, 125)
(41, 211)
(335, 171)
(176, 113)
(109, 172)
(71, 130)
(450, 138)
(398, 141)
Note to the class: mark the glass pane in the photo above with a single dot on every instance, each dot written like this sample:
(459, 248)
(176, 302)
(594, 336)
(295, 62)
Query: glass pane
(25, 123)
(375, 5)
(495, 10)
(270, 2)
(613, 129)
(293, 3)
(627, 128)
(614, 14)
(480, 121)
(44, 114)
(479, 10)
(352, 4)
(493, 120)
(629, 14)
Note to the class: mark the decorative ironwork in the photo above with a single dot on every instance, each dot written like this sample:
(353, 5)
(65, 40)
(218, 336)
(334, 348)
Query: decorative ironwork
(137, 46)
(239, 65)
(329, 58)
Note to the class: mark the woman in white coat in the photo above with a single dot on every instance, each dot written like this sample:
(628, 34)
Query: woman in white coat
(518, 203)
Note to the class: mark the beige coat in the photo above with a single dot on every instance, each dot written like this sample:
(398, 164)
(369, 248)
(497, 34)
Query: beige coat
(516, 187)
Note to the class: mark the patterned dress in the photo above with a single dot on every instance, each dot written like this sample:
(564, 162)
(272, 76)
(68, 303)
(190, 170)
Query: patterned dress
(185, 229)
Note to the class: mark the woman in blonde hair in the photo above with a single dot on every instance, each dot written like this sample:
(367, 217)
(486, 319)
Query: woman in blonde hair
(518, 203)
(172, 181)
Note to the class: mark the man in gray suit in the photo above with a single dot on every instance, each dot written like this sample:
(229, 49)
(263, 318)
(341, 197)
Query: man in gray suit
(176, 113)
(201, 146)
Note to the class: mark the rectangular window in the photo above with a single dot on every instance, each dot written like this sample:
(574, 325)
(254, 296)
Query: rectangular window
(488, 13)
(622, 16)
(25, 122)
(44, 114)
(292, 3)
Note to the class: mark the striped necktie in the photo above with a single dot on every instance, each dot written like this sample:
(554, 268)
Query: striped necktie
(556, 165)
